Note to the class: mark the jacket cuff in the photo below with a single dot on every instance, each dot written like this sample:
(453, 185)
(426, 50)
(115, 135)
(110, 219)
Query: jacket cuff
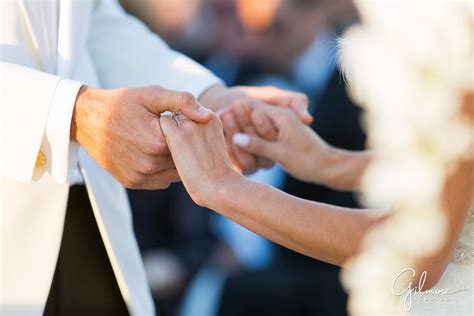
(56, 139)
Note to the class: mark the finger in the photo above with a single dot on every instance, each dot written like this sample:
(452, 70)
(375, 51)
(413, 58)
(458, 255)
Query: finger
(279, 116)
(229, 124)
(241, 160)
(154, 164)
(265, 129)
(257, 146)
(299, 104)
(157, 145)
(242, 110)
(296, 101)
(160, 180)
(263, 125)
(169, 127)
(169, 175)
(159, 100)
(265, 163)
(246, 161)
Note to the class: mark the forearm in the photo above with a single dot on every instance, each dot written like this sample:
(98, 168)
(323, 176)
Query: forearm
(345, 168)
(325, 232)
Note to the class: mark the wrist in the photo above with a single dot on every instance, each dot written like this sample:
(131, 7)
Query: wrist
(88, 110)
(224, 191)
(343, 168)
(329, 158)
(77, 112)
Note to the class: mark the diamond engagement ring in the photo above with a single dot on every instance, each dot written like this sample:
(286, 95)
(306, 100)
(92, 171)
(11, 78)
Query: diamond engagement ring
(173, 115)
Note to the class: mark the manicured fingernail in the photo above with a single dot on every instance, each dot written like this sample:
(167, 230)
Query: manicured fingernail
(241, 139)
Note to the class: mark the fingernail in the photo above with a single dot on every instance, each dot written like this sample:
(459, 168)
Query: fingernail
(241, 139)
(202, 110)
(305, 112)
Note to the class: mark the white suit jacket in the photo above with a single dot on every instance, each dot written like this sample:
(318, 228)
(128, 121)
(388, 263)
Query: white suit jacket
(48, 49)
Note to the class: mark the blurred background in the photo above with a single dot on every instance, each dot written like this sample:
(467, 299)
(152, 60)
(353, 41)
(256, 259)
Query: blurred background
(199, 263)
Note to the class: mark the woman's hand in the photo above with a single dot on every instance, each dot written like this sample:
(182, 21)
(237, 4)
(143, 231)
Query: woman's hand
(302, 153)
(234, 106)
(299, 150)
(200, 156)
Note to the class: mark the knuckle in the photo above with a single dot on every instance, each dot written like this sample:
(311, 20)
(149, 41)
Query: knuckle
(156, 147)
(125, 181)
(240, 105)
(172, 177)
(267, 130)
(162, 185)
(186, 98)
(129, 184)
(136, 179)
(147, 167)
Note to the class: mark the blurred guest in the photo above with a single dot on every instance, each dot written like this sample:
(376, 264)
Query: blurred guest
(185, 24)
(299, 49)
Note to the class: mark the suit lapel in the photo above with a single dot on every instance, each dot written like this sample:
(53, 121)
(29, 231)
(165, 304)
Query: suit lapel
(74, 17)
(58, 30)
(41, 19)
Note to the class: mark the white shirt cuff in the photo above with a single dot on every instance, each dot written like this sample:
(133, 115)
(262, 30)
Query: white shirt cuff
(58, 128)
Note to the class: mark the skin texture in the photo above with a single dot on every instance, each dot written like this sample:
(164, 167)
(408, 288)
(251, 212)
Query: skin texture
(322, 231)
(120, 128)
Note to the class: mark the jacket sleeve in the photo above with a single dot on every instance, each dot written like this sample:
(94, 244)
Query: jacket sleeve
(35, 112)
(127, 53)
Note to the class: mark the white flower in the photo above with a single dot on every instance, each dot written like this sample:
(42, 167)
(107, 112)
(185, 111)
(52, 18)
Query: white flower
(408, 65)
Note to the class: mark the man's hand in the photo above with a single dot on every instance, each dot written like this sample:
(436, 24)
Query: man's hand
(235, 105)
(121, 131)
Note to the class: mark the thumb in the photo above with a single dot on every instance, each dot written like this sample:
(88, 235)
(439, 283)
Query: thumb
(160, 100)
(256, 145)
